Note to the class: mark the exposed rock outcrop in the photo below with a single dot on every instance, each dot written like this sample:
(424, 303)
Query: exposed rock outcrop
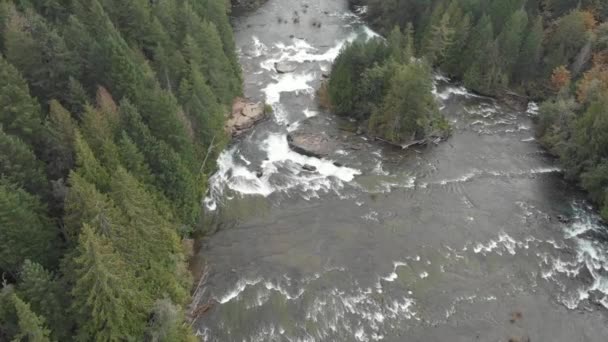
(245, 114)
(310, 141)
(285, 67)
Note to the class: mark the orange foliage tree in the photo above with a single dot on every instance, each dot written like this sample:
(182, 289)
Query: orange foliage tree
(560, 78)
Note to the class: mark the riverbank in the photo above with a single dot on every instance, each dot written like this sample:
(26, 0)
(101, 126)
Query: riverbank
(458, 241)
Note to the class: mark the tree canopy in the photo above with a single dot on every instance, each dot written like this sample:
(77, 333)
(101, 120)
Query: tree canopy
(107, 109)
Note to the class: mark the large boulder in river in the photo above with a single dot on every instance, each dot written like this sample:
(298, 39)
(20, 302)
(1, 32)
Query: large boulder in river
(285, 67)
(245, 114)
(310, 139)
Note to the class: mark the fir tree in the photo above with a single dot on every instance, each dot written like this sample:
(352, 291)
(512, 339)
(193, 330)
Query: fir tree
(106, 298)
(27, 232)
(19, 112)
(32, 327)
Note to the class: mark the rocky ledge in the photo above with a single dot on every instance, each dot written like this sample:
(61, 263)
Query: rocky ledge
(310, 141)
(245, 114)
(285, 67)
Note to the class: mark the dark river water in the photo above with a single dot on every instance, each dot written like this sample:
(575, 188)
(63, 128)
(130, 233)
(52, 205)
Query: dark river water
(455, 242)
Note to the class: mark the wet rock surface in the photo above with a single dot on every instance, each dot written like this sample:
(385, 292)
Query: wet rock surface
(245, 114)
(285, 67)
(310, 141)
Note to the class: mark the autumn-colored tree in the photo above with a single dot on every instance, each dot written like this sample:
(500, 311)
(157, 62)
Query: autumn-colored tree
(560, 78)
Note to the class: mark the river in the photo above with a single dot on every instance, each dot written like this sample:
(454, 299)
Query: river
(455, 242)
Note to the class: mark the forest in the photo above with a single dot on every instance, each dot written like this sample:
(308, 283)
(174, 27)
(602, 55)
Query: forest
(111, 115)
(552, 51)
(381, 83)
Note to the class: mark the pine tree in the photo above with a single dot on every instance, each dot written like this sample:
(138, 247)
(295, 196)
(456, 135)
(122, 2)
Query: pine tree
(216, 11)
(85, 204)
(41, 54)
(408, 109)
(19, 112)
(106, 298)
(45, 294)
(216, 65)
(88, 165)
(531, 52)
(511, 38)
(201, 107)
(454, 53)
(152, 243)
(132, 159)
(440, 38)
(32, 327)
(27, 233)
(19, 166)
(60, 136)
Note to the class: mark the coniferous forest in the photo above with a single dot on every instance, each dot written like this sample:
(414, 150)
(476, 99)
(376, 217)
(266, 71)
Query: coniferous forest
(552, 51)
(111, 113)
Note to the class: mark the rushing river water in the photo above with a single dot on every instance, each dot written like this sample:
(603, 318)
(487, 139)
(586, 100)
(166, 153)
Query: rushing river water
(455, 242)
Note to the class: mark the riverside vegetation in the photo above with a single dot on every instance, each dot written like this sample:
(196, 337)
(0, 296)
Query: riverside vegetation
(555, 51)
(111, 113)
(385, 85)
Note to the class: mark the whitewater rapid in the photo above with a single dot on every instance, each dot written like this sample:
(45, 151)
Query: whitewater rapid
(458, 241)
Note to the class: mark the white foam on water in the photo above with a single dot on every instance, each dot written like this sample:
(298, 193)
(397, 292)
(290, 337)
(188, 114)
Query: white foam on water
(504, 242)
(259, 48)
(341, 153)
(277, 149)
(528, 139)
(440, 77)
(286, 83)
(450, 91)
(244, 159)
(283, 291)
(360, 10)
(299, 51)
(236, 177)
(371, 34)
(423, 275)
(310, 113)
(379, 170)
(371, 216)
(532, 108)
(464, 178)
(293, 127)
(393, 275)
(240, 286)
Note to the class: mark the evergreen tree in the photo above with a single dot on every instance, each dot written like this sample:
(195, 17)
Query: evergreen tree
(439, 40)
(511, 38)
(205, 113)
(27, 233)
(85, 204)
(41, 54)
(32, 327)
(216, 65)
(19, 112)
(152, 244)
(408, 110)
(19, 166)
(531, 52)
(87, 164)
(44, 293)
(106, 298)
(60, 137)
